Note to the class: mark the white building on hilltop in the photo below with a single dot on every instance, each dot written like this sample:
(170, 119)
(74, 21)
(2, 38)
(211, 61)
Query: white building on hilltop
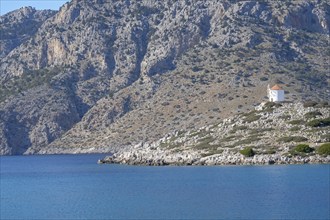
(275, 94)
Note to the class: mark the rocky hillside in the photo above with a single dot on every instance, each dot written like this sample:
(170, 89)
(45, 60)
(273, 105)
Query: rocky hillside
(19, 26)
(98, 75)
(273, 134)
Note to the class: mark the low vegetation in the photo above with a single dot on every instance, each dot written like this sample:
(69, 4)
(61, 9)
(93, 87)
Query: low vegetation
(270, 151)
(292, 139)
(238, 128)
(324, 149)
(30, 79)
(313, 114)
(248, 152)
(251, 117)
(247, 140)
(315, 104)
(310, 104)
(319, 122)
(303, 148)
(296, 122)
(295, 128)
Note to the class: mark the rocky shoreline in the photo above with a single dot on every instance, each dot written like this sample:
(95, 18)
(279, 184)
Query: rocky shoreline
(157, 158)
(272, 134)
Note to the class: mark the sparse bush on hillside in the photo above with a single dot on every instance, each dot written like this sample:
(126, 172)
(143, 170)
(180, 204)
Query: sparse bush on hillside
(313, 114)
(30, 79)
(324, 149)
(296, 122)
(230, 138)
(309, 104)
(270, 151)
(316, 104)
(319, 122)
(251, 116)
(323, 105)
(292, 138)
(204, 143)
(295, 128)
(247, 140)
(303, 148)
(248, 152)
(238, 128)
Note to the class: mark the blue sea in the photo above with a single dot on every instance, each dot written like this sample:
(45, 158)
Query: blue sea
(76, 187)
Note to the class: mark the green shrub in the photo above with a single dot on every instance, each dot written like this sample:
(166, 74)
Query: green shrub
(252, 118)
(259, 131)
(270, 151)
(313, 114)
(324, 149)
(296, 122)
(303, 148)
(295, 128)
(173, 145)
(319, 122)
(230, 138)
(247, 140)
(248, 152)
(204, 143)
(309, 104)
(292, 138)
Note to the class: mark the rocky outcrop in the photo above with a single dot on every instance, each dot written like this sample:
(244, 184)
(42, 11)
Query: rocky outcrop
(163, 158)
(19, 26)
(106, 75)
(308, 16)
(272, 132)
(36, 120)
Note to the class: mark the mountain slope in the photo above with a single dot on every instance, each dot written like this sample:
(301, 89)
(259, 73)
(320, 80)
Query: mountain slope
(100, 75)
(20, 25)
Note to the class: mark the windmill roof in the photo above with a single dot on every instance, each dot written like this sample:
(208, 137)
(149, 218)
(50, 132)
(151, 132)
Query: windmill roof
(276, 87)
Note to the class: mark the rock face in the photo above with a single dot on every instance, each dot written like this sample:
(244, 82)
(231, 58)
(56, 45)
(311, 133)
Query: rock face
(97, 76)
(36, 121)
(19, 26)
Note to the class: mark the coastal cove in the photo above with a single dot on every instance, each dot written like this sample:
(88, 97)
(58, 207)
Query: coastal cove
(75, 187)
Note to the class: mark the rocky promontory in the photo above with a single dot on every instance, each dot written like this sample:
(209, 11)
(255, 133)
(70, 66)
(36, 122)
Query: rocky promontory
(156, 157)
(274, 133)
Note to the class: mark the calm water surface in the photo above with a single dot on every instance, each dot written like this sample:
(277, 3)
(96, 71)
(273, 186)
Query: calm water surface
(75, 187)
